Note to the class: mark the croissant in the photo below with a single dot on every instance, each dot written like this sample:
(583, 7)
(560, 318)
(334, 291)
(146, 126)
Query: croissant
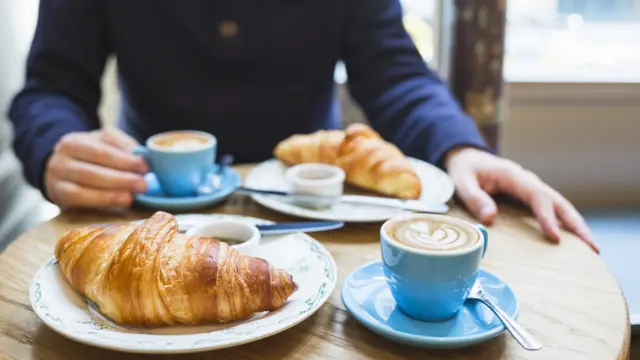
(151, 275)
(367, 159)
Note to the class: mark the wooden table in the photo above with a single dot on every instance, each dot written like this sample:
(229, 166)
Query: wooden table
(569, 300)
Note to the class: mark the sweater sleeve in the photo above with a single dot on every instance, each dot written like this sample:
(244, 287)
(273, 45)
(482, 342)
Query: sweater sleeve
(402, 98)
(61, 93)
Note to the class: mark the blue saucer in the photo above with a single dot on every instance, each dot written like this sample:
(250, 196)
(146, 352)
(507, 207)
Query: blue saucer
(155, 198)
(367, 297)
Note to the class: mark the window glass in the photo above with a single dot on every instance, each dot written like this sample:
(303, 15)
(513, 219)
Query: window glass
(573, 40)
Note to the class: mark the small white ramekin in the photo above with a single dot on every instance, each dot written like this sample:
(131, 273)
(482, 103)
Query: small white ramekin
(247, 234)
(316, 179)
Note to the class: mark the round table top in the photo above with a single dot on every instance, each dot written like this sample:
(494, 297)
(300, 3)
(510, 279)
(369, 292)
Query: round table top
(569, 299)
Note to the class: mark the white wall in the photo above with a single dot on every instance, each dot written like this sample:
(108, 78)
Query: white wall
(581, 138)
(17, 23)
(21, 206)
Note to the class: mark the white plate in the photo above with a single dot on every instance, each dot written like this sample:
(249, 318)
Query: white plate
(437, 188)
(66, 312)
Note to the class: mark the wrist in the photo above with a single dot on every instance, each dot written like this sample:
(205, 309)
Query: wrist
(455, 152)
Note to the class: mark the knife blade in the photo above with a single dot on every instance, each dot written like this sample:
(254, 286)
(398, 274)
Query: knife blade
(278, 228)
(305, 227)
(412, 205)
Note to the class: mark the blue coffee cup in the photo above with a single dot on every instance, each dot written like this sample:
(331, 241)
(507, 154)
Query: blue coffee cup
(180, 169)
(431, 285)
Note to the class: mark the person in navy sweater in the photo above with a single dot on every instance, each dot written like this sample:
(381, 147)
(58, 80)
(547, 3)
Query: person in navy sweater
(252, 73)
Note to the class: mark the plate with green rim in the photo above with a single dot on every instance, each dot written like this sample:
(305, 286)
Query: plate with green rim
(68, 313)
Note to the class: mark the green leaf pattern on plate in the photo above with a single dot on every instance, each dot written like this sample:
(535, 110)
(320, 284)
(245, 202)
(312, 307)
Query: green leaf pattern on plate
(85, 327)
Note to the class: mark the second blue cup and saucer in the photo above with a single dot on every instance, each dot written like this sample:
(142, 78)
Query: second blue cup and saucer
(367, 297)
(182, 165)
(156, 198)
(419, 293)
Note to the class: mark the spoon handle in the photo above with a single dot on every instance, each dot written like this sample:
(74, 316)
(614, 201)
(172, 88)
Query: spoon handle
(225, 161)
(215, 179)
(519, 333)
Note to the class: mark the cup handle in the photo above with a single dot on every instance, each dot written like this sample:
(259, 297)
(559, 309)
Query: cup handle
(485, 235)
(141, 150)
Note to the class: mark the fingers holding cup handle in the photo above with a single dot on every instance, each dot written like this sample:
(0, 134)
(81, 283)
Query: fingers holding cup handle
(141, 150)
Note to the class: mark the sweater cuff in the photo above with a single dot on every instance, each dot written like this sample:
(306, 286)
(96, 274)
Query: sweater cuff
(454, 134)
(43, 148)
(40, 121)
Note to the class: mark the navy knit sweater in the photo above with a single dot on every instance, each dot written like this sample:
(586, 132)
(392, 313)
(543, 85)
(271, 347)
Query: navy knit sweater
(249, 71)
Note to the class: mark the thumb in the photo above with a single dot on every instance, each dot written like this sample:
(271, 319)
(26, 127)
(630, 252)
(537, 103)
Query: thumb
(477, 201)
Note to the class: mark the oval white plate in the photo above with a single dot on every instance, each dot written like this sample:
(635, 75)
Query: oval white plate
(66, 312)
(437, 188)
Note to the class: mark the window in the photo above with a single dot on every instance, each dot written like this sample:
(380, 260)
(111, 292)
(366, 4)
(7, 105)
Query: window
(420, 21)
(547, 40)
(573, 41)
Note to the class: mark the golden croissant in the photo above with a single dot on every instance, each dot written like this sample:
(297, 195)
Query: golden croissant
(367, 159)
(151, 275)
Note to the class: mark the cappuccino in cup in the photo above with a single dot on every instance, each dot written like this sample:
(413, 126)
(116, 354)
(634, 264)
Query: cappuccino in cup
(434, 234)
(180, 160)
(181, 141)
(431, 263)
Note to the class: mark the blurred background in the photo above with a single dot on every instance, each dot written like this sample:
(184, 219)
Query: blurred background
(568, 109)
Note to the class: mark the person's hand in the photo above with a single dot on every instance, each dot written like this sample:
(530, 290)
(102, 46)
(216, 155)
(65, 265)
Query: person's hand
(478, 174)
(94, 170)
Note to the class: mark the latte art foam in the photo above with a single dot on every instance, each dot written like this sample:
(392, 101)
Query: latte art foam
(180, 142)
(185, 145)
(434, 235)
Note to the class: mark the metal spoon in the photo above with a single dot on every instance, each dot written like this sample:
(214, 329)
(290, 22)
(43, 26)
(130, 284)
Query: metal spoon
(519, 333)
(225, 161)
(214, 180)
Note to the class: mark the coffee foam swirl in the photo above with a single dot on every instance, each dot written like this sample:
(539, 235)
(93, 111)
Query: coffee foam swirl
(186, 144)
(434, 235)
(180, 142)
